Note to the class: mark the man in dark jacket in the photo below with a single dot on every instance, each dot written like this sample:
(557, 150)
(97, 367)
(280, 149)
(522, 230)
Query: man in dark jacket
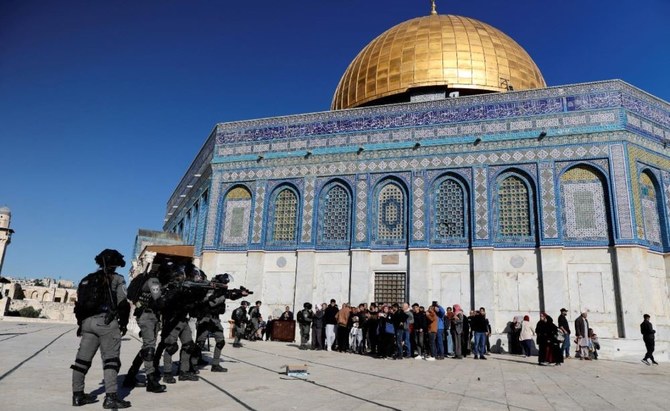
(399, 319)
(648, 337)
(317, 327)
(480, 327)
(564, 327)
(418, 333)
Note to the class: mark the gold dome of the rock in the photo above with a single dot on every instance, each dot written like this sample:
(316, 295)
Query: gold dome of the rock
(452, 52)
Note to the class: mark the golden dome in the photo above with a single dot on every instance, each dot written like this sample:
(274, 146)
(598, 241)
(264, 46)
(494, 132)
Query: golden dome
(452, 52)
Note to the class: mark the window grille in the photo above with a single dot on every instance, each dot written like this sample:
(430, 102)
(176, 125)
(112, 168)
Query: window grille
(390, 287)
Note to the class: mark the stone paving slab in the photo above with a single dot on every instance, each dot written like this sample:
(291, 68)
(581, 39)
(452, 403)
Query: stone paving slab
(35, 375)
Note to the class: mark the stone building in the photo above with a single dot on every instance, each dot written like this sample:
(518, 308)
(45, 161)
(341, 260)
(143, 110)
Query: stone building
(5, 232)
(446, 170)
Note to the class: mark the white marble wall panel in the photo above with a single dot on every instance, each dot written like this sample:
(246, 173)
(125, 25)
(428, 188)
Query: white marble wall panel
(278, 287)
(332, 281)
(591, 289)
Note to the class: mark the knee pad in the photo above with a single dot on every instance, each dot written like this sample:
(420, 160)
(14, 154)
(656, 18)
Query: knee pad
(220, 344)
(172, 348)
(81, 365)
(190, 348)
(148, 353)
(112, 364)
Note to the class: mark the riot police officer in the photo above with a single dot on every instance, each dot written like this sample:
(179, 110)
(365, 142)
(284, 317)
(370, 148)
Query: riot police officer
(102, 313)
(305, 322)
(147, 313)
(176, 328)
(240, 318)
(215, 305)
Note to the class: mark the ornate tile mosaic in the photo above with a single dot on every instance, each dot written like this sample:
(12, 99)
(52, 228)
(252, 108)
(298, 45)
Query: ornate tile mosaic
(236, 225)
(620, 178)
(419, 203)
(361, 209)
(548, 198)
(583, 200)
(307, 210)
(258, 212)
(481, 204)
(215, 200)
(650, 199)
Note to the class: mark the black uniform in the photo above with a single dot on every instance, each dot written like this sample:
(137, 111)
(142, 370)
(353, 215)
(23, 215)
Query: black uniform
(240, 318)
(305, 318)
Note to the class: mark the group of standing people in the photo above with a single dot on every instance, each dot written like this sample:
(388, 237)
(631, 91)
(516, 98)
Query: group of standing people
(395, 330)
(554, 340)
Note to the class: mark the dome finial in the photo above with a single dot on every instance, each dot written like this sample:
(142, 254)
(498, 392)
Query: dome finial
(433, 9)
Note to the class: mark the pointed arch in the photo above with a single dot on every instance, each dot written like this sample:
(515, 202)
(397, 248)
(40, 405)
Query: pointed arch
(236, 216)
(450, 205)
(584, 204)
(652, 209)
(391, 214)
(283, 216)
(334, 215)
(515, 214)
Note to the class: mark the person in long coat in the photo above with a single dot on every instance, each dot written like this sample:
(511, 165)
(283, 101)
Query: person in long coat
(554, 349)
(541, 330)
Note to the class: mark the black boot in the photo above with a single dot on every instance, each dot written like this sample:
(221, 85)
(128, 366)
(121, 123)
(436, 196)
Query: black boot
(169, 379)
(153, 384)
(112, 401)
(188, 376)
(218, 368)
(80, 398)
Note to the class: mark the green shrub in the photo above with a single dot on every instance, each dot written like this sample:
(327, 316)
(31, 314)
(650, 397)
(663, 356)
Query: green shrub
(29, 312)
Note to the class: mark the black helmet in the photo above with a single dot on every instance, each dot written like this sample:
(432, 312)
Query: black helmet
(307, 306)
(224, 278)
(110, 257)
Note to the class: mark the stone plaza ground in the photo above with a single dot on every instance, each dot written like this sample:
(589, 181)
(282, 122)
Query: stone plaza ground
(35, 375)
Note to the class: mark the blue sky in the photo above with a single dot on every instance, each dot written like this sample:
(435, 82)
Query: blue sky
(104, 104)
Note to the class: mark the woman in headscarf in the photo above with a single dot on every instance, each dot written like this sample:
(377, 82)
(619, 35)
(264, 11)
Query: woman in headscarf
(526, 336)
(554, 351)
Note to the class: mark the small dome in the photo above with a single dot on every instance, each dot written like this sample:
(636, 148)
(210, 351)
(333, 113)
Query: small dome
(446, 51)
(5, 210)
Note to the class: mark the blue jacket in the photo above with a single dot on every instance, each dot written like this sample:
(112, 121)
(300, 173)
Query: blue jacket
(440, 314)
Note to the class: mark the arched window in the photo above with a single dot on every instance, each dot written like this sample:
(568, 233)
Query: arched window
(284, 217)
(583, 201)
(514, 211)
(391, 213)
(334, 216)
(237, 214)
(450, 211)
(650, 205)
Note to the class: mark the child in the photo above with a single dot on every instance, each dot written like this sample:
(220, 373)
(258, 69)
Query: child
(355, 336)
(594, 344)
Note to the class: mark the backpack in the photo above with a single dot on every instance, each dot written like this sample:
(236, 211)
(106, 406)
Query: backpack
(134, 291)
(237, 315)
(92, 296)
(300, 318)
